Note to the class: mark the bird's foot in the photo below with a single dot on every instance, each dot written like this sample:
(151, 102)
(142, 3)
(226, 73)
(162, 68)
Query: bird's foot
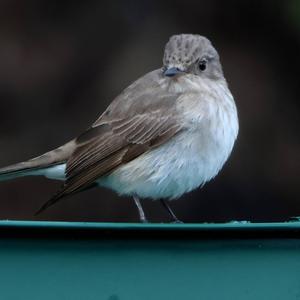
(144, 221)
(177, 222)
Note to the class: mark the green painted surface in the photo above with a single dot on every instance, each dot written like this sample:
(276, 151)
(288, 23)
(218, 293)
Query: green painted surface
(234, 225)
(128, 268)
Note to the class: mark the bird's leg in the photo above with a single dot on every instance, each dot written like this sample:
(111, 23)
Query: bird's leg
(167, 207)
(140, 208)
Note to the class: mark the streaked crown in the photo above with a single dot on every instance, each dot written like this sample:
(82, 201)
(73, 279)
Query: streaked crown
(185, 51)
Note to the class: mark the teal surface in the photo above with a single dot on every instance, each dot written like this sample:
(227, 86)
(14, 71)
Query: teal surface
(234, 225)
(127, 268)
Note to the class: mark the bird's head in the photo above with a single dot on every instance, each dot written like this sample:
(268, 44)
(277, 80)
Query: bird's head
(191, 54)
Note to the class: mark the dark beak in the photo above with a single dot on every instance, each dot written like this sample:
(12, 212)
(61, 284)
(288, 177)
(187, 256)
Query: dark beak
(172, 72)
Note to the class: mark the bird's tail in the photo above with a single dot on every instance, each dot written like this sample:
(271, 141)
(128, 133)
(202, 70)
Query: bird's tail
(26, 168)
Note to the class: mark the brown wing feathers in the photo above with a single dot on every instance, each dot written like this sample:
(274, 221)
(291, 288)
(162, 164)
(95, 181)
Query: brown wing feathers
(101, 150)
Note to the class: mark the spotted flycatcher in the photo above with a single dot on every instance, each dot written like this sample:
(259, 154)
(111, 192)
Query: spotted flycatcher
(166, 134)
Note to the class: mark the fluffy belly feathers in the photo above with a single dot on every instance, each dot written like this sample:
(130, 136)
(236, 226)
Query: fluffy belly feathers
(190, 159)
(183, 164)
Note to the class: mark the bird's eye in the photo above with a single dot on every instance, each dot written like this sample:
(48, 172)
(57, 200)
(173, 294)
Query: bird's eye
(202, 64)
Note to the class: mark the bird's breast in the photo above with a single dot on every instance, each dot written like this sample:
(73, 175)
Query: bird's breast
(184, 163)
(189, 159)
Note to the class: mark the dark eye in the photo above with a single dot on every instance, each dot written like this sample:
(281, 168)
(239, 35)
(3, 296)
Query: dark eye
(202, 64)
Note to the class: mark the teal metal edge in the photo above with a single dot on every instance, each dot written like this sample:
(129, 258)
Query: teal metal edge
(234, 226)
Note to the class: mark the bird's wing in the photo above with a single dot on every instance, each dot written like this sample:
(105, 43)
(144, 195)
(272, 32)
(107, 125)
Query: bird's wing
(123, 141)
(119, 137)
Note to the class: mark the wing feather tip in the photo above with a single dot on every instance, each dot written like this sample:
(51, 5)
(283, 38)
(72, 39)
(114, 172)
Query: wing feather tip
(49, 203)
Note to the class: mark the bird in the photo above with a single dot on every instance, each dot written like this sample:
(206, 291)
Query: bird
(166, 134)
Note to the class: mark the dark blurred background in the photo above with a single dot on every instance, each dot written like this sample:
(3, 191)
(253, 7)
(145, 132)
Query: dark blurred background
(62, 62)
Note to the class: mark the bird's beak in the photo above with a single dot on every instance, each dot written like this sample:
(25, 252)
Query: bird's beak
(172, 72)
